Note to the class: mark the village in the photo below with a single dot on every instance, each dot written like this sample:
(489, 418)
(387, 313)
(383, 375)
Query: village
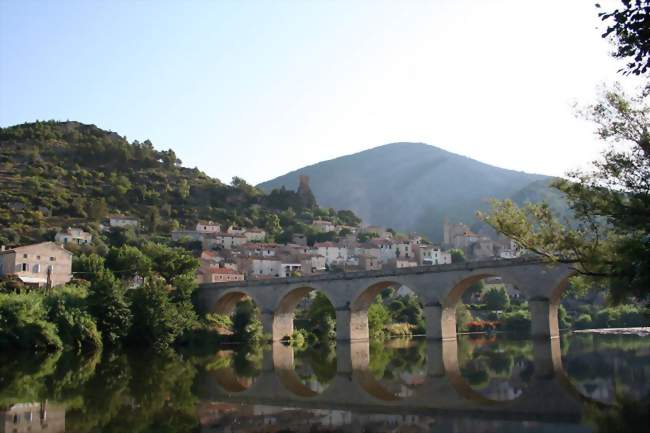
(230, 253)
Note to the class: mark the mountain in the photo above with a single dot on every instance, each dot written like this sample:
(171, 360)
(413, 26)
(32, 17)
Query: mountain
(55, 174)
(413, 186)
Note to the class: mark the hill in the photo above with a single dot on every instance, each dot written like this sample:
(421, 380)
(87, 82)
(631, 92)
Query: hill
(54, 174)
(414, 186)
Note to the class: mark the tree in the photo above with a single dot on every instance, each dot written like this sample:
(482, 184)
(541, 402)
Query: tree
(628, 28)
(272, 225)
(378, 317)
(496, 298)
(97, 209)
(322, 317)
(611, 204)
(457, 255)
(108, 305)
(245, 323)
(156, 320)
(128, 261)
(153, 219)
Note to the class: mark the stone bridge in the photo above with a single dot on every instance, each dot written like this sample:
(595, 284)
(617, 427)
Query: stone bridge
(548, 394)
(439, 288)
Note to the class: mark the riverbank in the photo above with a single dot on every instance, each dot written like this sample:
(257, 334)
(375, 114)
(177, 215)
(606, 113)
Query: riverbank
(640, 331)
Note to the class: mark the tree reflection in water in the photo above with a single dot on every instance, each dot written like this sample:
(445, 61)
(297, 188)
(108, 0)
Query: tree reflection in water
(147, 392)
(497, 369)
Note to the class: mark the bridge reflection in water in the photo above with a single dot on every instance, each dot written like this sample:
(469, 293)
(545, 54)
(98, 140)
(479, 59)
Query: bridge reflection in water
(548, 395)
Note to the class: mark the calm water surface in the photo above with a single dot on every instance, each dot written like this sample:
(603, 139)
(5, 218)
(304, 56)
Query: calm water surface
(580, 383)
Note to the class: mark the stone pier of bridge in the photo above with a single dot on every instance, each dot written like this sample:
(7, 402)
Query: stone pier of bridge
(439, 288)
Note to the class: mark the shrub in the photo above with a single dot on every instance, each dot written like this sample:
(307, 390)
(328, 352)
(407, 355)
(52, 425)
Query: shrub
(67, 310)
(516, 321)
(245, 323)
(107, 304)
(24, 325)
(583, 321)
(156, 319)
(496, 298)
(621, 316)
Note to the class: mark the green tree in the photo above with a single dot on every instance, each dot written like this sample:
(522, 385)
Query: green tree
(496, 298)
(153, 219)
(322, 317)
(157, 321)
(245, 323)
(97, 209)
(611, 205)
(109, 307)
(457, 255)
(378, 317)
(628, 28)
(128, 261)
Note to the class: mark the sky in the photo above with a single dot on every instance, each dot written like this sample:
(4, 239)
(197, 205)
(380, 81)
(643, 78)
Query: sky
(259, 88)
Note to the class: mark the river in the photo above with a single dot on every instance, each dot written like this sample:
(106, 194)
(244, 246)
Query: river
(579, 383)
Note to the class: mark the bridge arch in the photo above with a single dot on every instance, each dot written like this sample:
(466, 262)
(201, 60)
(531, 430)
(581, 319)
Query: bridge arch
(357, 320)
(285, 310)
(226, 302)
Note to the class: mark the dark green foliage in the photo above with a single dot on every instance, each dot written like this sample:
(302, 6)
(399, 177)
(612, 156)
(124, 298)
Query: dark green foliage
(170, 262)
(516, 321)
(246, 325)
(621, 316)
(583, 321)
(81, 173)
(24, 324)
(496, 298)
(628, 28)
(127, 261)
(67, 309)
(157, 321)
(457, 255)
(109, 307)
(322, 317)
(88, 267)
(378, 318)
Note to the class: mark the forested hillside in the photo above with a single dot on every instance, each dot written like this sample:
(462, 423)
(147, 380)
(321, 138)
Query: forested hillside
(55, 174)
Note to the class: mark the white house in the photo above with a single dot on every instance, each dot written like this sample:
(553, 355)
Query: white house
(386, 249)
(432, 255)
(208, 227)
(123, 221)
(255, 235)
(332, 252)
(223, 240)
(260, 267)
(73, 235)
(323, 226)
(32, 263)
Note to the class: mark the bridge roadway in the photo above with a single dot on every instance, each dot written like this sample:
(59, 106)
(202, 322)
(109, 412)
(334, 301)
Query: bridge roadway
(439, 288)
(548, 396)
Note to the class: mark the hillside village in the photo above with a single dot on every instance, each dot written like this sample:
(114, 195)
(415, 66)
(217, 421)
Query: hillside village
(231, 253)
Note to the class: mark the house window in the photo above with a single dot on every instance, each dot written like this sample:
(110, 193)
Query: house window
(24, 256)
(36, 268)
(52, 259)
(50, 268)
(38, 257)
(24, 267)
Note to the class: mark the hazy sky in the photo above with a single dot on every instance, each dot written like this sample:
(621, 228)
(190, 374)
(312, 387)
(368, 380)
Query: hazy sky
(259, 88)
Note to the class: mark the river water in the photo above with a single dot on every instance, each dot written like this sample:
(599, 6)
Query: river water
(579, 383)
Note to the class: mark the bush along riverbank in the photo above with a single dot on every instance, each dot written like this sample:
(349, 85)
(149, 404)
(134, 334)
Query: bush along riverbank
(134, 296)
